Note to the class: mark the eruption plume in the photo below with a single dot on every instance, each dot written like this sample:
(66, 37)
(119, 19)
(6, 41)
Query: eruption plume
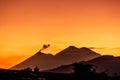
(44, 47)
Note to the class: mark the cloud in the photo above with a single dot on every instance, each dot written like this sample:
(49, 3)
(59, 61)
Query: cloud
(96, 47)
(115, 48)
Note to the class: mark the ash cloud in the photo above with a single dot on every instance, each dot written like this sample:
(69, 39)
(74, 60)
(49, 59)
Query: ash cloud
(45, 47)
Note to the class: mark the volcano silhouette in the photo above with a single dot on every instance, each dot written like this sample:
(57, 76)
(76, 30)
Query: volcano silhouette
(48, 61)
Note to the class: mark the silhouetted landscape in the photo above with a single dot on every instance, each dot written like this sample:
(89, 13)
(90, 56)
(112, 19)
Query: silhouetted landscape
(81, 71)
(48, 61)
(59, 39)
(69, 64)
(108, 64)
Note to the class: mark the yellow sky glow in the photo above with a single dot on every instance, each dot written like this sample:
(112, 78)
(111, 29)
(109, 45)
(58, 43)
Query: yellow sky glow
(25, 25)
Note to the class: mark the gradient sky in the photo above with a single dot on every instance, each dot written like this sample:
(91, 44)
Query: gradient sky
(25, 25)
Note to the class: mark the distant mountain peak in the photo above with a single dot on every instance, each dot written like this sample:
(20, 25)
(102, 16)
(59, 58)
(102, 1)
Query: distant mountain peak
(104, 57)
(85, 48)
(72, 47)
(39, 53)
(69, 49)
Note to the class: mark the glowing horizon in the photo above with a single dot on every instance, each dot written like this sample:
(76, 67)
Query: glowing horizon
(26, 25)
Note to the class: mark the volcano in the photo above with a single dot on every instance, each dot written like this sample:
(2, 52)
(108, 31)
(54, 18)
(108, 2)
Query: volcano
(67, 56)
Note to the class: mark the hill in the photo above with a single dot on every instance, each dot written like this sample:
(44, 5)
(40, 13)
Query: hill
(107, 64)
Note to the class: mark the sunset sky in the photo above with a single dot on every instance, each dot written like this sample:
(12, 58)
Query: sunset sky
(25, 25)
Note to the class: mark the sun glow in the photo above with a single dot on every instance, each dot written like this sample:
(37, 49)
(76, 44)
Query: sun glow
(25, 25)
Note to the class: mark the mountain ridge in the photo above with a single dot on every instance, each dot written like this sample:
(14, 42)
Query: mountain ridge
(107, 63)
(69, 55)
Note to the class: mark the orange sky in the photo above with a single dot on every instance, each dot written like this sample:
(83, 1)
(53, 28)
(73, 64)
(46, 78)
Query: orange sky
(25, 25)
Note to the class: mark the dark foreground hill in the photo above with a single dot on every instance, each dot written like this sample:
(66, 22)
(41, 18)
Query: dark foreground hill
(107, 64)
(66, 56)
(81, 71)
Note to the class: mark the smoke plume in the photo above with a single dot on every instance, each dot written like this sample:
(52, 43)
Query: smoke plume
(44, 47)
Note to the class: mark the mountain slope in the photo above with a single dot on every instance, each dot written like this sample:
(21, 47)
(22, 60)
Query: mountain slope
(39, 59)
(73, 54)
(62, 69)
(66, 56)
(108, 64)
